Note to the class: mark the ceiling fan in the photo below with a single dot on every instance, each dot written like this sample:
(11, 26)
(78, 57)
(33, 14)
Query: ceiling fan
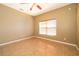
(34, 4)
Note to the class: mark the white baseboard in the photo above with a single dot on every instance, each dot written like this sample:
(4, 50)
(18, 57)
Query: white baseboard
(74, 45)
(57, 41)
(77, 47)
(36, 37)
(18, 40)
(10, 42)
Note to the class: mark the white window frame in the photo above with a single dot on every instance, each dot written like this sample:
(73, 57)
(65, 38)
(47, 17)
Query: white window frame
(48, 25)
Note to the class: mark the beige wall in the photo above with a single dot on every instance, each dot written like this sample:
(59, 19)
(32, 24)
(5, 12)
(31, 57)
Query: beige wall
(66, 23)
(0, 52)
(78, 25)
(14, 24)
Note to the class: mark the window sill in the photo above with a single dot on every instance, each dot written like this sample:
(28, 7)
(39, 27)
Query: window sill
(47, 35)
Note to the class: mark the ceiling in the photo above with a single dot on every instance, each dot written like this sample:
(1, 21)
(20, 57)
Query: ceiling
(25, 7)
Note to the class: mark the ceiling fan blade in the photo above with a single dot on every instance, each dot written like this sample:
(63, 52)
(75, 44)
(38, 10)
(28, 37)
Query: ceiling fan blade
(39, 7)
(32, 6)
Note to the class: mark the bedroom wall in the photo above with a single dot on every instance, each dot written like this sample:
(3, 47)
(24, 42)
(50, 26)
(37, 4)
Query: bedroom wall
(66, 23)
(14, 24)
(78, 25)
(0, 52)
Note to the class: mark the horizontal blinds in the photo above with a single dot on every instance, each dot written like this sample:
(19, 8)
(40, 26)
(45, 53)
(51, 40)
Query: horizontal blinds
(47, 27)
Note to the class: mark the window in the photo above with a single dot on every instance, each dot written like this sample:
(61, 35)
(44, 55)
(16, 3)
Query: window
(47, 27)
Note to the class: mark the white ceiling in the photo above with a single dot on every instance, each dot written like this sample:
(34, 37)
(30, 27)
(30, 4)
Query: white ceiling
(25, 7)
